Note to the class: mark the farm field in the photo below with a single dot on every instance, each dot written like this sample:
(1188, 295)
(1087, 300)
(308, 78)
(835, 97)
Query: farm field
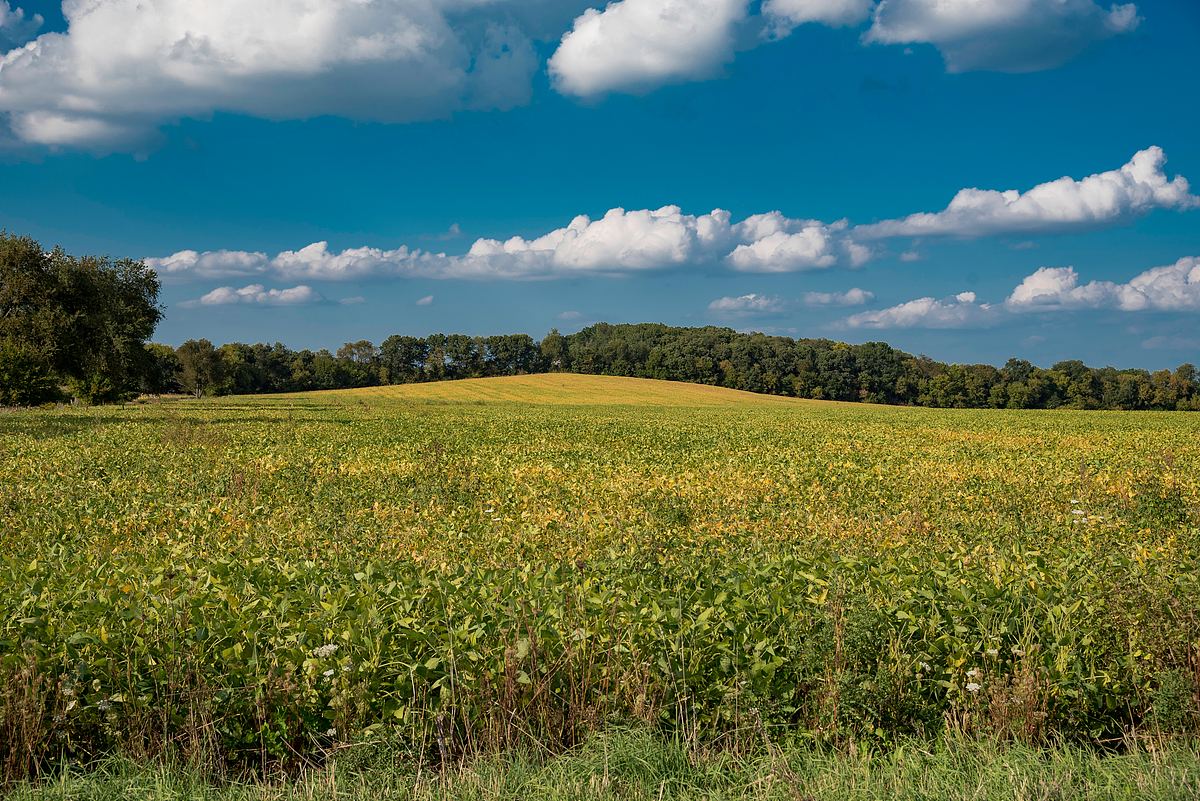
(522, 563)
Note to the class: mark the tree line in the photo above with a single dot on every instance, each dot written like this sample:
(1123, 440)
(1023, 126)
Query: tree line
(806, 368)
(80, 328)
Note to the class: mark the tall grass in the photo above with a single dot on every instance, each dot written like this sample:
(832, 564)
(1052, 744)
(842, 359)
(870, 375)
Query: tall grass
(632, 765)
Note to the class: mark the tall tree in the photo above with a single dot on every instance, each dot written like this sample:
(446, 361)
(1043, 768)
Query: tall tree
(82, 321)
(201, 367)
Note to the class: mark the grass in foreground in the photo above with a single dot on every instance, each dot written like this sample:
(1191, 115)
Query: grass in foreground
(634, 765)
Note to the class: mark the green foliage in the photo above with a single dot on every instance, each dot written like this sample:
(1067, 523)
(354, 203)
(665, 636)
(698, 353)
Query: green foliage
(83, 321)
(808, 368)
(265, 579)
(162, 371)
(1174, 705)
(202, 369)
(26, 377)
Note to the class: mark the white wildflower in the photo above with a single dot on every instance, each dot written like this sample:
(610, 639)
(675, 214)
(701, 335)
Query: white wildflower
(325, 651)
(331, 733)
(972, 673)
(328, 673)
(1078, 512)
(972, 687)
(993, 652)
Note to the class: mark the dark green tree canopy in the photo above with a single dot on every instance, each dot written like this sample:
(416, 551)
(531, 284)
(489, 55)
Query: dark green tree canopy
(82, 322)
(873, 372)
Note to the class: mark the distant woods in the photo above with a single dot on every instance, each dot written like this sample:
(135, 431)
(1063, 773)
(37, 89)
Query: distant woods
(805, 368)
(78, 327)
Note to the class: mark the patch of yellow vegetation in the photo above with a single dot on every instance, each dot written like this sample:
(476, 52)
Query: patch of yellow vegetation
(558, 389)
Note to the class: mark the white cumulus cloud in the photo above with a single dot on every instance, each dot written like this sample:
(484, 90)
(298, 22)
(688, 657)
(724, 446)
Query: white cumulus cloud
(776, 244)
(210, 264)
(959, 311)
(751, 304)
(619, 242)
(260, 295)
(633, 45)
(125, 67)
(1135, 188)
(426, 301)
(1173, 287)
(628, 241)
(1001, 35)
(851, 297)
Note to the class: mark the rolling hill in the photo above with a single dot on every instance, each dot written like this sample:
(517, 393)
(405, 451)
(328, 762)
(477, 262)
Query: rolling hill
(560, 389)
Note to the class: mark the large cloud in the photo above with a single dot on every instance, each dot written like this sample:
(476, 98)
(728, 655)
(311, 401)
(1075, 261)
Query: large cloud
(619, 242)
(634, 45)
(123, 67)
(1174, 287)
(1135, 188)
(1001, 35)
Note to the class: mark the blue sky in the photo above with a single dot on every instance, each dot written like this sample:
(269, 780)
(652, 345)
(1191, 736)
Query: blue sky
(417, 137)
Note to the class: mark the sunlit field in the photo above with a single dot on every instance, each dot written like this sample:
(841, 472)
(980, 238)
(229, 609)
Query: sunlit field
(477, 566)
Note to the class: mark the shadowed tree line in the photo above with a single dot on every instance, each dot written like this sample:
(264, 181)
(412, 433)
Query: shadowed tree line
(807, 368)
(78, 328)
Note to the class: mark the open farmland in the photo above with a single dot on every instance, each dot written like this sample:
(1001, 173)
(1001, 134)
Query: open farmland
(479, 565)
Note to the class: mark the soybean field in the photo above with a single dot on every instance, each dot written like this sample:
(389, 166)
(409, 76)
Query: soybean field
(475, 566)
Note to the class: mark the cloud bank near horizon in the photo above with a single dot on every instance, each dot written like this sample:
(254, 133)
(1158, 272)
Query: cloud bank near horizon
(624, 241)
(1169, 288)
